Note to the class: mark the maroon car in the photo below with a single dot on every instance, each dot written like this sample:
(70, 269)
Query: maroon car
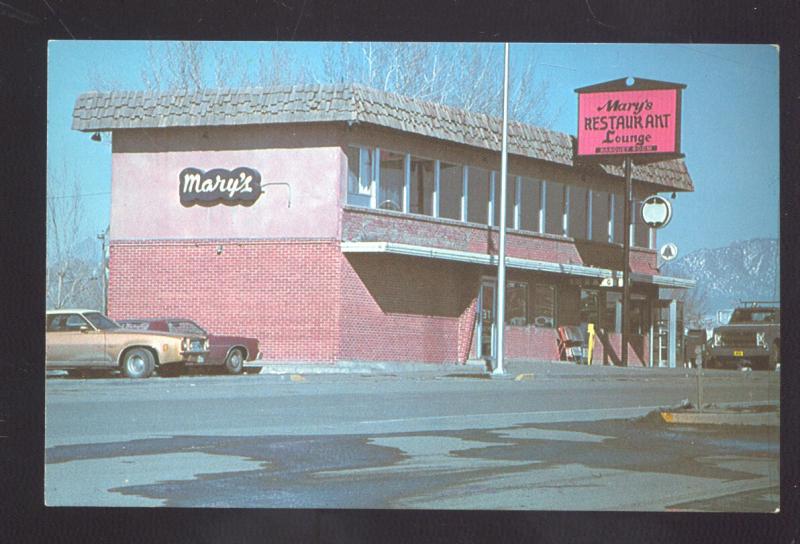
(228, 351)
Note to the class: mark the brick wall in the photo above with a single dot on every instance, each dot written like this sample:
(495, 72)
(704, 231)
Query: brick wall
(285, 293)
(383, 226)
(397, 308)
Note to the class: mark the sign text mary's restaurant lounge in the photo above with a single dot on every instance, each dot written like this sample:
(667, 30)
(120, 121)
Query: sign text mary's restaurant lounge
(617, 119)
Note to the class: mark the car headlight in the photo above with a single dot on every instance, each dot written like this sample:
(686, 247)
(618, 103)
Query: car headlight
(760, 340)
(185, 344)
(717, 340)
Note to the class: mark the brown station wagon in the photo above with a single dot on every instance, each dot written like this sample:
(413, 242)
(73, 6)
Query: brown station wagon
(78, 340)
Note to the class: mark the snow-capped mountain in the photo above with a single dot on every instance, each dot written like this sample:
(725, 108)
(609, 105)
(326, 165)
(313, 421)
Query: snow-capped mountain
(744, 270)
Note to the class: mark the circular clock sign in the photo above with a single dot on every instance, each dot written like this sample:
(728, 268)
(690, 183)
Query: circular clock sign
(656, 211)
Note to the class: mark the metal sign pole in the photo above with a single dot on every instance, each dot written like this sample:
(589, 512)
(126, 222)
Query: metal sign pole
(626, 236)
(501, 264)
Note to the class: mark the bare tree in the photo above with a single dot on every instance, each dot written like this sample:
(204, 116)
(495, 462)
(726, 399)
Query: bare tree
(71, 280)
(468, 76)
(695, 305)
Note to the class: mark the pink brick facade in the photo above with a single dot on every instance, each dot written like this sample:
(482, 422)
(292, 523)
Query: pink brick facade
(277, 271)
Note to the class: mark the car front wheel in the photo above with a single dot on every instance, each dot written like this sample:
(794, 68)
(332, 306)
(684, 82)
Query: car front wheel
(138, 363)
(235, 361)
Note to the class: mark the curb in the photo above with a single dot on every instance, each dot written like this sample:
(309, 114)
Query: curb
(719, 417)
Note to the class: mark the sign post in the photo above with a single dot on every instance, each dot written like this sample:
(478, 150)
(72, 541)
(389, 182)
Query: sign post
(625, 119)
(501, 258)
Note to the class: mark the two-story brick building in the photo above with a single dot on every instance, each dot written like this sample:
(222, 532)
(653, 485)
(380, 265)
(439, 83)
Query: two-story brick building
(369, 230)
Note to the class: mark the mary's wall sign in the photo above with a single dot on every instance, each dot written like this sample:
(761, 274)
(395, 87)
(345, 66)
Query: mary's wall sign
(240, 186)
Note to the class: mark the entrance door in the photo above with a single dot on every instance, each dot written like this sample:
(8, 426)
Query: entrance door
(487, 300)
(661, 334)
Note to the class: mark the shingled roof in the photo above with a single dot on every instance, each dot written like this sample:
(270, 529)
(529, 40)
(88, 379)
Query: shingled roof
(96, 111)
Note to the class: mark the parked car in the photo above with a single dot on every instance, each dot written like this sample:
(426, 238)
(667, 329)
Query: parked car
(78, 340)
(229, 352)
(752, 338)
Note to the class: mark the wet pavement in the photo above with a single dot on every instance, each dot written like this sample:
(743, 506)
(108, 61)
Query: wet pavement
(620, 464)
(567, 438)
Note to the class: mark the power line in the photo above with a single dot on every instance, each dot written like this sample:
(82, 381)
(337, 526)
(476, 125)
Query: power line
(77, 195)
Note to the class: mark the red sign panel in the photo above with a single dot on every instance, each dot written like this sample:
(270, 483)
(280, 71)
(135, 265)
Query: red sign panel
(629, 122)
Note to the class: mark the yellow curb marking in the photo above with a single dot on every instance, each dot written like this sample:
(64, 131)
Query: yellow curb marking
(525, 376)
(297, 378)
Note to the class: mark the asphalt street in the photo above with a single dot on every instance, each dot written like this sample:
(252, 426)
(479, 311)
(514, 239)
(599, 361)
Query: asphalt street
(558, 437)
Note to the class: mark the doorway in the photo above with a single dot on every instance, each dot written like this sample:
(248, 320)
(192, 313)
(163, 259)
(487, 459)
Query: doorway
(486, 333)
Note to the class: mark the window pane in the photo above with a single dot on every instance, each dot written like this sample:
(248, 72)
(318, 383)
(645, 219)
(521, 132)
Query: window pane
(544, 305)
(422, 179)
(590, 306)
(618, 209)
(600, 211)
(359, 175)
(555, 208)
(391, 181)
(517, 303)
(511, 195)
(641, 233)
(577, 211)
(450, 187)
(638, 317)
(530, 195)
(612, 316)
(477, 195)
(352, 169)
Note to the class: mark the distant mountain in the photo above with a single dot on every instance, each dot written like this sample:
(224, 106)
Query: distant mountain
(744, 270)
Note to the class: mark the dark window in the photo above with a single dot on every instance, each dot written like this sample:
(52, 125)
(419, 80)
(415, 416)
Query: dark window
(641, 232)
(578, 209)
(544, 305)
(422, 181)
(600, 216)
(517, 303)
(359, 175)
(391, 180)
(478, 195)
(450, 189)
(619, 203)
(638, 317)
(554, 208)
(186, 327)
(590, 306)
(100, 321)
(530, 200)
(612, 315)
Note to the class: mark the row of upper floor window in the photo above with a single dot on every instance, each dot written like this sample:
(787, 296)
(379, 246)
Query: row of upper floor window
(384, 179)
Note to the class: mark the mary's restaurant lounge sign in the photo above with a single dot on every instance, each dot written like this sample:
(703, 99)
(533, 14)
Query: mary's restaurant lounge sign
(622, 118)
(240, 186)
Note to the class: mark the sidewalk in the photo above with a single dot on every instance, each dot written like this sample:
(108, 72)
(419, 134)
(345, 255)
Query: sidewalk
(514, 369)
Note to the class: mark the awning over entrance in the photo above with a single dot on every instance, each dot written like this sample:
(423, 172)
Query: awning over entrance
(512, 262)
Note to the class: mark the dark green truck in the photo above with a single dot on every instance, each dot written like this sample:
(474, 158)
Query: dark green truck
(752, 338)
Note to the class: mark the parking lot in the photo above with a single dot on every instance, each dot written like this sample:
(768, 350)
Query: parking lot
(559, 437)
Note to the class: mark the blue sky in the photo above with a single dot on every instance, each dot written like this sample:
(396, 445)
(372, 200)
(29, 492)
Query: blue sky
(730, 120)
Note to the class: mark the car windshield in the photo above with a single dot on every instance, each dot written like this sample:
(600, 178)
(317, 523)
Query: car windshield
(186, 327)
(100, 321)
(751, 315)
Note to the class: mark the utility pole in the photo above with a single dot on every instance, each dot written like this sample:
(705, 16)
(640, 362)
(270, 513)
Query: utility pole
(626, 259)
(103, 283)
(501, 264)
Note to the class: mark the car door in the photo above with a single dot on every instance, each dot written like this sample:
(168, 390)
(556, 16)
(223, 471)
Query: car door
(75, 343)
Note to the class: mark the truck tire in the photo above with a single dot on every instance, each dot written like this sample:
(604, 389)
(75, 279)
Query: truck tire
(774, 356)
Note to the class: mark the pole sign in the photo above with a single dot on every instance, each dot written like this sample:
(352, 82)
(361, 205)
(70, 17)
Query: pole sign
(656, 211)
(640, 119)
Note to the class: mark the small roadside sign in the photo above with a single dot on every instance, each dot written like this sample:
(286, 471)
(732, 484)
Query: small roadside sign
(668, 252)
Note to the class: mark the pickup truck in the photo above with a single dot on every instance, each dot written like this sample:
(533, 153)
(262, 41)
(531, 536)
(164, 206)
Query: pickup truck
(751, 338)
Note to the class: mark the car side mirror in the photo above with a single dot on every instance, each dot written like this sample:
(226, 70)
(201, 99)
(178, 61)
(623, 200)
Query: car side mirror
(84, 328)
